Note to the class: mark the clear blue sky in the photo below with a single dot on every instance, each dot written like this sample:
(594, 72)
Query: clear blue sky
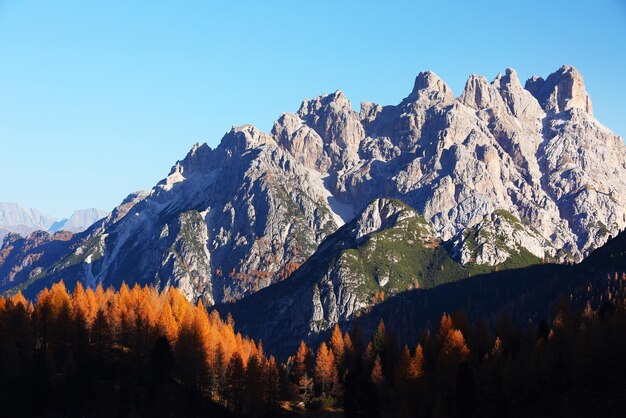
(98, 99)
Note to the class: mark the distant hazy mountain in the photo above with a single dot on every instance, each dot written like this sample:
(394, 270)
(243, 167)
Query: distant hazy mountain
(79, 221)
(13, 215)
(24, 221)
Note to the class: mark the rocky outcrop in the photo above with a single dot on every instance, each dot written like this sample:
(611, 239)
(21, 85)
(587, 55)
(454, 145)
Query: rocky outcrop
(324, 134)
(380, 214)
(502, 239)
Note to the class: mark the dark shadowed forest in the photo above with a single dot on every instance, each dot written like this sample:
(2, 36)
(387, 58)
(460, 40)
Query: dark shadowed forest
(138, 352)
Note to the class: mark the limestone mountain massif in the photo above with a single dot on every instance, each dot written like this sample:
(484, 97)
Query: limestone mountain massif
(502, 175)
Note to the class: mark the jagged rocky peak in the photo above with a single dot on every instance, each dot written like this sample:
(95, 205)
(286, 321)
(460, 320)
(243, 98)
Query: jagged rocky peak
(381, 214)
(12, 214)
(431, 88)
(561, 91)
(79, 221)
(332, 117)
(504, 94)
(369, 111)
(429, 80)
(325, 132)
(520, 101)
(508, 81)
(244, 137)
(336, 101)
(480, 94)
(196, 159)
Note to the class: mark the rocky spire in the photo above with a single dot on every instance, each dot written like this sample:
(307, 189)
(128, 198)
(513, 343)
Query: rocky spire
(197, 159)
(380, 214)
(480, 94)
(331, 116)
(521, 103)
(430, 85)
(562, 90)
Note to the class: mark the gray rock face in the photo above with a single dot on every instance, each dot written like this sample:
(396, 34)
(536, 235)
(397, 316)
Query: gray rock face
(325, 134)
(495, 147)
(380, 214)
(229, 221)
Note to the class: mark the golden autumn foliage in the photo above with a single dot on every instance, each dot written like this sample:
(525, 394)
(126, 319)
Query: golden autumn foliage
(301, 360)
(416, 368)
(325, 368)
(378, 297)
(454, 345)
(402, 373)
(377, 376)
(287, 270)
(139, 320)
(19, 299)
(337, 344)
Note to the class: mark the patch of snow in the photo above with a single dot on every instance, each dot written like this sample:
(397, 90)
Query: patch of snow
(90, 279)
(340, 211)
(344, 211)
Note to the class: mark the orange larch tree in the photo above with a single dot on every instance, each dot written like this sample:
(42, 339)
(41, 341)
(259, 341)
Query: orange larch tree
(337, 346)
(325, 369)
(300, 366)
(377, 376)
